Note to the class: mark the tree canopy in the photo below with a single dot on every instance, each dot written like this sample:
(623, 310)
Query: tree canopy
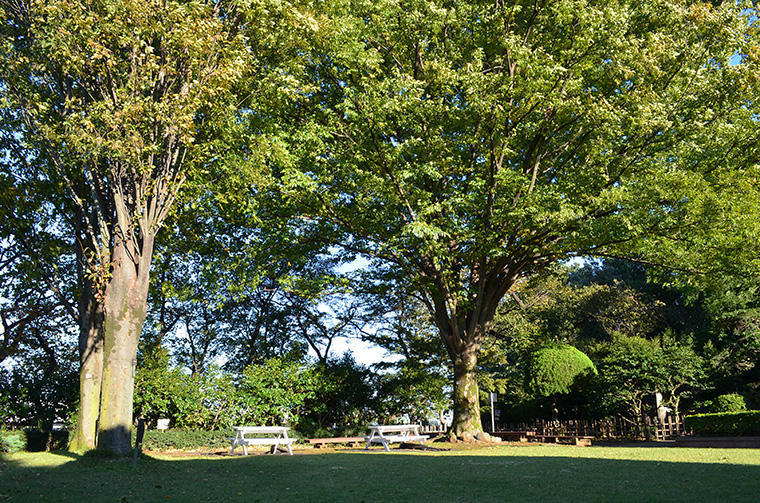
(457, 149)
(462, 145)
(118, 103)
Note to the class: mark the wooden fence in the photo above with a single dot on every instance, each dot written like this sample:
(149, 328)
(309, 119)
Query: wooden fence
(671, 428)
(610, 428)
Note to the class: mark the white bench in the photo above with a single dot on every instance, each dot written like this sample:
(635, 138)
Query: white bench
(394, 433)
(276, 436)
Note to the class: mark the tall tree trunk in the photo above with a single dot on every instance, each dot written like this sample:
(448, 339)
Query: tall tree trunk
(124, 308)
(90, 317)
(463, 333)
(463, 348)
(466, 423)
(90, 376)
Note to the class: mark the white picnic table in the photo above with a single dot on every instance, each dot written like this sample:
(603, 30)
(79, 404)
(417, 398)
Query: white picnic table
(389, 433)
(275, 436)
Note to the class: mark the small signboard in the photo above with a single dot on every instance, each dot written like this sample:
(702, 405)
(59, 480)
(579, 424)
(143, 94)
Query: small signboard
(492, 399)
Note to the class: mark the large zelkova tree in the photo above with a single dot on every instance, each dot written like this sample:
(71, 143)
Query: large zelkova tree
(120, 102)
(461, 145)
(108, 94)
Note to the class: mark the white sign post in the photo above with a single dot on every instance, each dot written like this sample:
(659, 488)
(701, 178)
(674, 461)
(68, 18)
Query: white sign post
(492, 396)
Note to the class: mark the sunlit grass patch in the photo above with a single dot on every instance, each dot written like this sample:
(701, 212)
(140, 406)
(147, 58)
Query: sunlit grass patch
(505, 473)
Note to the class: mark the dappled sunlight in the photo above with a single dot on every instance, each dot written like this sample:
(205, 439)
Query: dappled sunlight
(659, 454)
(749, 457)
(38, 459)
(546, 472)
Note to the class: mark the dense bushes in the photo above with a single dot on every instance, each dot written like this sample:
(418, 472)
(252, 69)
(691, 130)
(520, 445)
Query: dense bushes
(33, 440)
(12, 441)
(343, 404)
(724, 423)
(271, 393)
(312, 398)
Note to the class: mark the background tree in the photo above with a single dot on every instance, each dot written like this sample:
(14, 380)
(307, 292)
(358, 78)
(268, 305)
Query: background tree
(595, 307)
(415, 377)
(631, 372)
(345, 402)
(732, 348)
(35, 263)
(263, 284)
(39, 387)
(684, 370)
(467, 144)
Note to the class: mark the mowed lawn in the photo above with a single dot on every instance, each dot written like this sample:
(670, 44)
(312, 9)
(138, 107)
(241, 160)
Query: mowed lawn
(543, 473)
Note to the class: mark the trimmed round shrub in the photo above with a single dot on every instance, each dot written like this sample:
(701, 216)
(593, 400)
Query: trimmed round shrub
(731, 402)
(557, 369)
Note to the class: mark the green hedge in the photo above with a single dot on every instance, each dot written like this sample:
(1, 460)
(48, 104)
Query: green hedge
(156, 440)
(724, 423)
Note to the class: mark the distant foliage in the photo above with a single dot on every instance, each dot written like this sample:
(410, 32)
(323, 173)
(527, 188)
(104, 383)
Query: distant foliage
(277, 391)
(344, 403)
(412, 392)
(39, 387)
(731, 402)
(556, 369)
(631, 370)
(642, 337)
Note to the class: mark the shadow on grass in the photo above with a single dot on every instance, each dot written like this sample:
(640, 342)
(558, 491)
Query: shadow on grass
(499, 475)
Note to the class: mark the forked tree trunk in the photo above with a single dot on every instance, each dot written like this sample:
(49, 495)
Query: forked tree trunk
(124, 307)
(463, 334)
(108, 349)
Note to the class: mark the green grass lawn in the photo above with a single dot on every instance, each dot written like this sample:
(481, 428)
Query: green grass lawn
(507, 473)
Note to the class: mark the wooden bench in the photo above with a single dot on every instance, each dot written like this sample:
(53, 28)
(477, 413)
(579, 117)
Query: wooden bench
(321, 442)
(580, 440)
(276, 436)
(403, 433)
(515, 436)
